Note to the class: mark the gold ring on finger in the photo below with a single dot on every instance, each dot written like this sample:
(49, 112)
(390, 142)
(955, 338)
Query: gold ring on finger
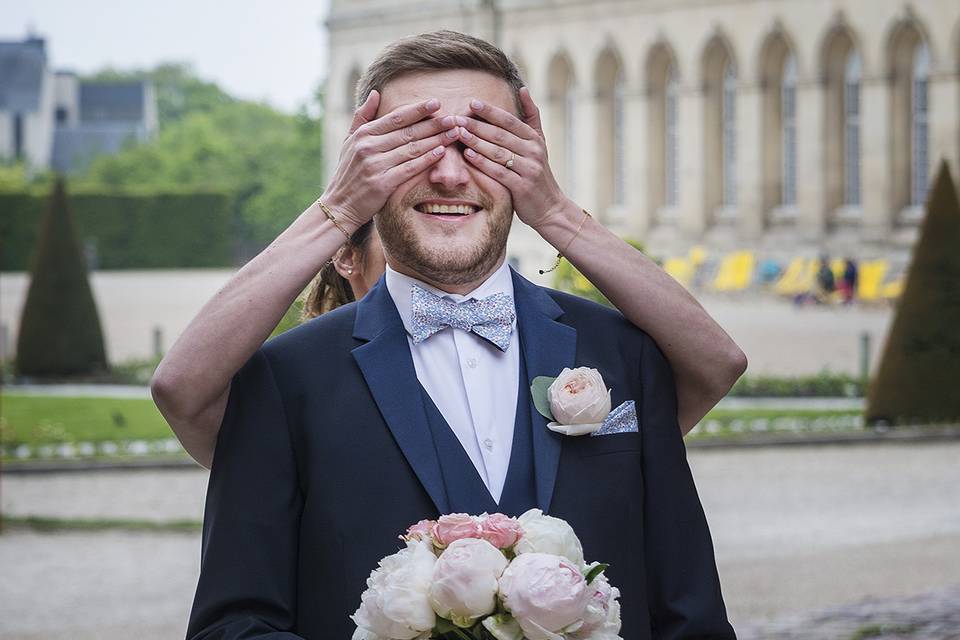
(509, 163)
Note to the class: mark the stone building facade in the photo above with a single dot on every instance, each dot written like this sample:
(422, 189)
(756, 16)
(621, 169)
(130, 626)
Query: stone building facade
(53, 120)
(781, 126)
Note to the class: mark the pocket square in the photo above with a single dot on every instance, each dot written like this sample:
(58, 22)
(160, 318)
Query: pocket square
(623, 419)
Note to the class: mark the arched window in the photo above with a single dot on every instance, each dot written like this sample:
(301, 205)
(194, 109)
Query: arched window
(919, 126)
(609, 131)
(729, 134)
(852, 76)
(719, 155)
(788, 132)
(671, 146)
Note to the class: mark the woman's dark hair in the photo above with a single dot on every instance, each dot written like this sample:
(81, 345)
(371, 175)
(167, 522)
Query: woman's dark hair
(329, 289)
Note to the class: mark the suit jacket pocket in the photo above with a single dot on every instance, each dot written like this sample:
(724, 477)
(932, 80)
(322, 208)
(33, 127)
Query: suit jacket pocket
(627, 442)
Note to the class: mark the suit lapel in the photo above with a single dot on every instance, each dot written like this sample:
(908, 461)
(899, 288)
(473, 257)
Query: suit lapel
(388, 369)
(548, 347)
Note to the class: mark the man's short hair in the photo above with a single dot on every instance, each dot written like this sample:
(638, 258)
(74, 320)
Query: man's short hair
(438, 51)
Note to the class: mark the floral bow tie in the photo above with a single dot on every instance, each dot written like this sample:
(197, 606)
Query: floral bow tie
(491, 317)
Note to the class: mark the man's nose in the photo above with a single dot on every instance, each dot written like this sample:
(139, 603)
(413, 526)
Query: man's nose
(450, 171)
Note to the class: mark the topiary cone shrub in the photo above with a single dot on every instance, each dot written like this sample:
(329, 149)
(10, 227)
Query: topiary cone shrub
(917, 381)
(60, 329)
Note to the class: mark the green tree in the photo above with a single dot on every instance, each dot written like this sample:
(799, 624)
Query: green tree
(917, 378)
(269, 162)
(60, 331)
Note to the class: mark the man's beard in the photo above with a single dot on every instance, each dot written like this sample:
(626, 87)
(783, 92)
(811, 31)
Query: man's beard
(449, 265)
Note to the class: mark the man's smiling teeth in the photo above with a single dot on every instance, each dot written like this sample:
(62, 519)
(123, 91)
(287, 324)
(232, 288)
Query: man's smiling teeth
(447, 208)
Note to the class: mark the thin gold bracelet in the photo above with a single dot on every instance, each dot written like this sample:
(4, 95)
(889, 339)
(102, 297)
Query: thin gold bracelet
(556, 264)
(329, 214)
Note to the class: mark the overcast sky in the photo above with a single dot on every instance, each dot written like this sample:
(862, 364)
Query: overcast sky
(274, 51)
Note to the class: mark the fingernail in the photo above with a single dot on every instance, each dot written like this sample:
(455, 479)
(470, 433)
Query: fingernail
(476, 105)
(448, 121)
(470, 153)
(452, 133)
(461, 121)
(439, 150)
(466, 135)
(433, 103)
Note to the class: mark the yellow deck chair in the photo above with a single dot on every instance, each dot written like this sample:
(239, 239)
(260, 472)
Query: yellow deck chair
(736, 272)
(870, 279)
(797, 278)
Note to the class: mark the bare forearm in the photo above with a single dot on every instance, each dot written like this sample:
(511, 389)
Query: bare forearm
(190, 385)
(705, 360)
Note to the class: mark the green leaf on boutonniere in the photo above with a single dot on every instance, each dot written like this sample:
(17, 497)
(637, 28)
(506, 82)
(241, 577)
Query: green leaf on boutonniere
(597, 570)
(540, 398)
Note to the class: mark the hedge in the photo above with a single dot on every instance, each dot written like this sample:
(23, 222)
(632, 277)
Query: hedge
(129, 230)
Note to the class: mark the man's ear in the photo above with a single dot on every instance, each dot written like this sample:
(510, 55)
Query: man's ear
(344, 261)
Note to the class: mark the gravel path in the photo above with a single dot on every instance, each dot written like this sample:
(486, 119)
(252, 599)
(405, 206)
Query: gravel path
(812, 540)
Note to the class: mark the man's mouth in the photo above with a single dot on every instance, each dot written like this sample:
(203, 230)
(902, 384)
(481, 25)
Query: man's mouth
(452, 209)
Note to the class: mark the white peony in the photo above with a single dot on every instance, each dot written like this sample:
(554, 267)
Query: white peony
(465, 581)
(396, 603)
(601, 620)
(579, 401)
(546, 534)
(546, 595)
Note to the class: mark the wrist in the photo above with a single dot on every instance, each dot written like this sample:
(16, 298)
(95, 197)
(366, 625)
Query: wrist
(562, 217)
(337, 213)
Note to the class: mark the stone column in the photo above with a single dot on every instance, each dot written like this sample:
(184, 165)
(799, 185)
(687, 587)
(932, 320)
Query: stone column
(811, 157)
(750, 213)
(875, 162)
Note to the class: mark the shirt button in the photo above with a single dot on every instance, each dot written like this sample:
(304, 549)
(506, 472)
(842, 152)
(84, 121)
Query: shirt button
(488, 443)
(472, 363)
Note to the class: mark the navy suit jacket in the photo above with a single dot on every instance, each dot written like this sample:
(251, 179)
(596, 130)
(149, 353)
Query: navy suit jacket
(324, 458)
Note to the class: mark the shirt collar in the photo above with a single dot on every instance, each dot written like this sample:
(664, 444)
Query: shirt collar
(400, 287)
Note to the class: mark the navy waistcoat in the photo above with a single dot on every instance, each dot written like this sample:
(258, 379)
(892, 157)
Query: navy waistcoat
(465, 488)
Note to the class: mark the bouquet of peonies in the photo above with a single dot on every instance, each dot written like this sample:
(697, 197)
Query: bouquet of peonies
(489, 577)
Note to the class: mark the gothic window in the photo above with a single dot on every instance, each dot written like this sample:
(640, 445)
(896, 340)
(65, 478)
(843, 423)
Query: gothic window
(671, 155)
(729, 133)
(788, 132)
(919, 126)
(853, 72)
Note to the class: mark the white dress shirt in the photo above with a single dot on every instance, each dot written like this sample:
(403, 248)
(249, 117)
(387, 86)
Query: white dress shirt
(472, 382)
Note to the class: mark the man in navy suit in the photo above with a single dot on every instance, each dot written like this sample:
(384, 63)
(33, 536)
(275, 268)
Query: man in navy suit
(416, 402)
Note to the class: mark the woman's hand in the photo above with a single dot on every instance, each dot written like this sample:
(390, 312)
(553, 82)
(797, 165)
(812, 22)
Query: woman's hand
(500, 137)
(380, 154)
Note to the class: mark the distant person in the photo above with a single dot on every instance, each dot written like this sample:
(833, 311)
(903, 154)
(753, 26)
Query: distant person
(825, 282)
(848, 283)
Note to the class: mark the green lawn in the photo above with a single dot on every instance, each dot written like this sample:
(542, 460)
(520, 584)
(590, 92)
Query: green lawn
(45, 420)
(38, 420)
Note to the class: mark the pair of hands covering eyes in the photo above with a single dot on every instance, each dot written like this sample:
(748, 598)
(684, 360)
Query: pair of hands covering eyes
(382, 153)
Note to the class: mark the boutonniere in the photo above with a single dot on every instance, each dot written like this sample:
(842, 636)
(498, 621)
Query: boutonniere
(576, 402)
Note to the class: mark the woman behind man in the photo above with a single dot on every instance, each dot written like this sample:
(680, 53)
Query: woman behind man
(192, 383)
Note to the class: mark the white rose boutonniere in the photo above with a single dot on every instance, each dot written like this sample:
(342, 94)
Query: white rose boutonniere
(577, 401)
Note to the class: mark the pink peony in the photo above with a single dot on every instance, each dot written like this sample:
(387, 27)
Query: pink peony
(421, 530)
(455, 526)
(501, 531)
